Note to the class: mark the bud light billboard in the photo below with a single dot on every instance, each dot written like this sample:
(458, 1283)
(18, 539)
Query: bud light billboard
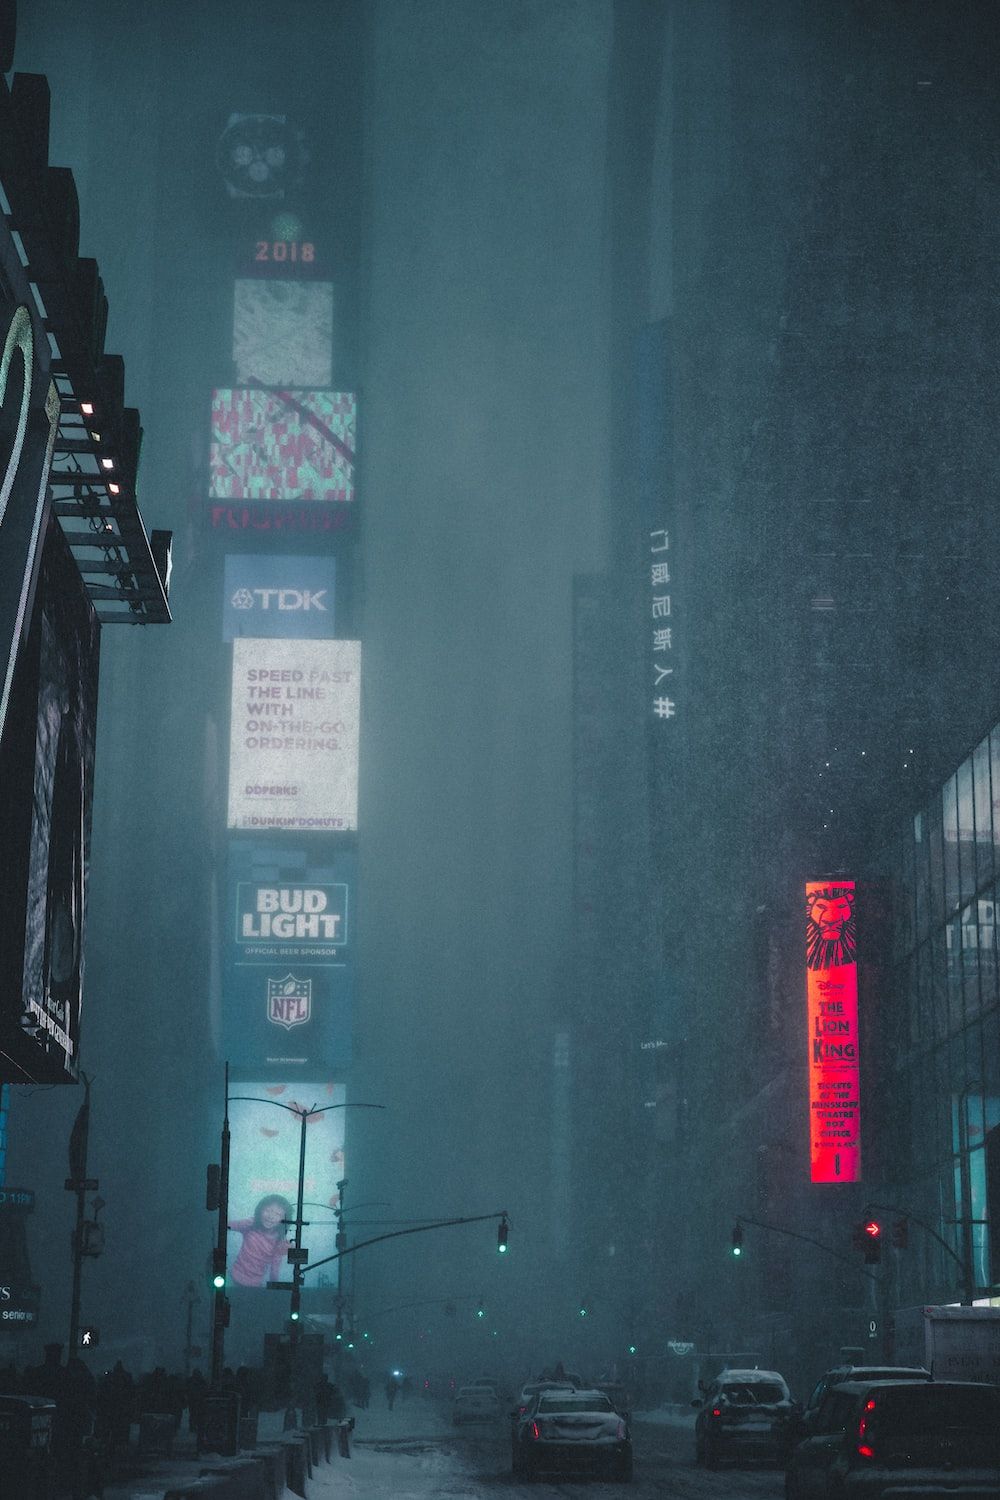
(289, 957)
(274, 595)
(266, 1124)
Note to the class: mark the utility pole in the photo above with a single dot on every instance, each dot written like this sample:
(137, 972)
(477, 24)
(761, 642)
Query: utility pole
(191, 1300)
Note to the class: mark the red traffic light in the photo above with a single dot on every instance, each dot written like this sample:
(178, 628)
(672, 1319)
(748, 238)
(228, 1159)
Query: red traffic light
(872, 1229)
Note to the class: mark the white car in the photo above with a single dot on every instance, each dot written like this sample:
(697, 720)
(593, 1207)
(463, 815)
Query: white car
(475, 1403)
(567, 1430)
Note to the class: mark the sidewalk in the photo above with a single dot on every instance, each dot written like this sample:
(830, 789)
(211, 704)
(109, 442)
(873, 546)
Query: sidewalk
(395, 1455)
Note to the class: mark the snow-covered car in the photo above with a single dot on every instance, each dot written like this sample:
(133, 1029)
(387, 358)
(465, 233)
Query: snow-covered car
(744, 1414)
(475, 1403)
(568, 1430)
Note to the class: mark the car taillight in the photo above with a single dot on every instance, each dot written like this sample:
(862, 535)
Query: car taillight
(535, 1433)
(865, 1450)
(716, 1411)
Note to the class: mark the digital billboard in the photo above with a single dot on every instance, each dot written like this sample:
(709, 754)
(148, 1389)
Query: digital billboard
(283, 445)
(283, 333)
(288, 962)
(271, 594)
(293, 748)
(834, 1048)
(265, 1121)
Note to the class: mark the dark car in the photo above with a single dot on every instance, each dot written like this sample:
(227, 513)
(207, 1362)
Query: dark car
(802, 1423)
(572, 1430)
(743, 1414)
(875, 1439)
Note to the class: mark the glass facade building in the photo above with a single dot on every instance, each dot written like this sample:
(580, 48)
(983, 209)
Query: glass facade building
(934, 1092)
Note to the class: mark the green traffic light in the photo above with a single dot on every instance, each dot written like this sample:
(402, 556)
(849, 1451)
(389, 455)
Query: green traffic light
(631, 1349)
(294, 1317)
(737, 1249)
(218, 1282)
(583, 1312)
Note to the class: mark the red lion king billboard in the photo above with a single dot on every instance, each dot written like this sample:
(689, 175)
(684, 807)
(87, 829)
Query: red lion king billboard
(832, 994)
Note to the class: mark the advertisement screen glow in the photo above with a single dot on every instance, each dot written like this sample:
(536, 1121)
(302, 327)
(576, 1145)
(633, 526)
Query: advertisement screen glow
(283, 332)
(293, 749)
(282, 445)
(832, 994)
(263, 1176)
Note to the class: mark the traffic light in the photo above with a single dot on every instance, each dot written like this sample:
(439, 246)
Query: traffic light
(218, 1268)
(480, 1311)
(737, 1239)
(873, 1242)
(583, 1308)
(502, 1228)
(900, 1234)
(632, 1349)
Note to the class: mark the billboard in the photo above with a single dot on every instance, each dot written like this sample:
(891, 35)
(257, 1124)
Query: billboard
(46, 772)
(29, 416)
(283, 445)
(293, 746)
(265, 1120)
(288, 962)
(832, 1000)
(268, 595)
(283, 333)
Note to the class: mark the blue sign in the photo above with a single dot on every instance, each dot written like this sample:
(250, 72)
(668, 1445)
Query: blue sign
(267, 595)
(288, 977)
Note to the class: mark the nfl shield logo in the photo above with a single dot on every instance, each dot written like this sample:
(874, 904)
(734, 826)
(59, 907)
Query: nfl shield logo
(289, 1001)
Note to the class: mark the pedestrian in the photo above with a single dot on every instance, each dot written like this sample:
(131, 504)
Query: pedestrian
(391, 1388)
(263, 1254)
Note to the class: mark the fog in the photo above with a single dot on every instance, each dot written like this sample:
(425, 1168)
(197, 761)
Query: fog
(508, 193)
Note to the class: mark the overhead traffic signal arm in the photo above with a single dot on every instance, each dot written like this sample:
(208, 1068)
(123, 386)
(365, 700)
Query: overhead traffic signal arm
(793, 1234)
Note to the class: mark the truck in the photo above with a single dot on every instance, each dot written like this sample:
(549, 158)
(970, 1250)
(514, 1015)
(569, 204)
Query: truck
(954, 1343)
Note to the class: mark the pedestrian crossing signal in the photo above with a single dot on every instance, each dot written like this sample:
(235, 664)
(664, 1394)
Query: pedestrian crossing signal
(89, 1338)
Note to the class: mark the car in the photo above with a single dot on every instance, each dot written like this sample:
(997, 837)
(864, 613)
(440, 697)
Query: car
(569, 1430)
(873, 1439)
(474, 1403)
(743, 1414)
(840, 1373)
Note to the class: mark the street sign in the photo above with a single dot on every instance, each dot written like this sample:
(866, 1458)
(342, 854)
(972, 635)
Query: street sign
(298, 1257)
(281, 1286)
(12, 1197)
(81, 1184)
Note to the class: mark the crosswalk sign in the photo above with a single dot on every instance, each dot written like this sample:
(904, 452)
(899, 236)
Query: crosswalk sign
(89, 1338)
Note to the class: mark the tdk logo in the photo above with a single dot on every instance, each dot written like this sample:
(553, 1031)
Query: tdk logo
(282, 600)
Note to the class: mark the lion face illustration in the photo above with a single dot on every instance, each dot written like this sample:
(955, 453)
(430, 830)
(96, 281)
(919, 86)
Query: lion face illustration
(831, 938)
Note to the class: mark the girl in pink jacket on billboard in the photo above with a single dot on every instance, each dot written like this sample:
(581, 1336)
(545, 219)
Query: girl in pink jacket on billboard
(263, 1254)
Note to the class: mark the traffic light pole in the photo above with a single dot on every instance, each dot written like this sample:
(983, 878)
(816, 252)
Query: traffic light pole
(220, 1307)
(500, 1214)
(793, 1234)
(964, 1264)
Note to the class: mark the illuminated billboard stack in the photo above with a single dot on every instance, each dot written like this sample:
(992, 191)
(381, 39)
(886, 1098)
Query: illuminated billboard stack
(281, 497)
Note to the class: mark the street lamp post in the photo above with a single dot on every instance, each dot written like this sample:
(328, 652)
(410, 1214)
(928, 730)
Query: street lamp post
(297, 1255)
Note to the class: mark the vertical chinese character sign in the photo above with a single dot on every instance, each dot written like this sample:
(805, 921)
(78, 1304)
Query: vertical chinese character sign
(832, 996)
(661, 630)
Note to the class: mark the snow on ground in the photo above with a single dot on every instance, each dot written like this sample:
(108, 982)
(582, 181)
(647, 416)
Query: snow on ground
(666, 1416)
(396, 1455)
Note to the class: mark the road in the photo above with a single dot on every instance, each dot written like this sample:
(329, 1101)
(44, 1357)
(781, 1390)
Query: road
(473, 1463)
